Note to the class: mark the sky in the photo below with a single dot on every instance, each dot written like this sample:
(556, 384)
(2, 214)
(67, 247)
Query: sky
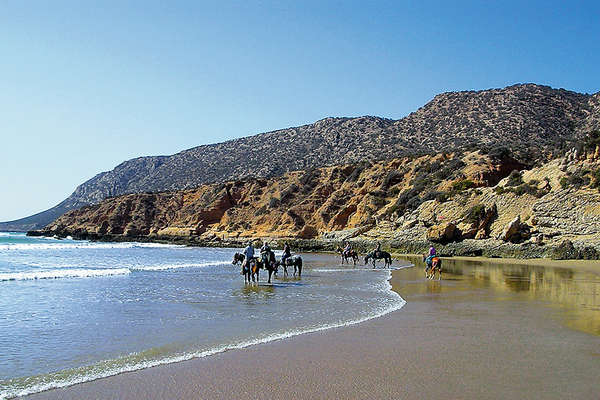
(85, 86)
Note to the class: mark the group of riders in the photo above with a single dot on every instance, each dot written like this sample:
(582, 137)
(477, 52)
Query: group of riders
(252, 264)
(265, 253)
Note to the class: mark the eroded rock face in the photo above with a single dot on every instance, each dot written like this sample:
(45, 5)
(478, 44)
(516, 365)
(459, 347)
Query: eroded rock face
(571, 213)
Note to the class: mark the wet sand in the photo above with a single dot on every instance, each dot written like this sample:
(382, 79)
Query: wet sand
(486, 331)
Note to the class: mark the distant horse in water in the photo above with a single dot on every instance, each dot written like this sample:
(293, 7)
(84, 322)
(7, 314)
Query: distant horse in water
(432, 264)
(295, 261)
(345, 255)
(378, 255)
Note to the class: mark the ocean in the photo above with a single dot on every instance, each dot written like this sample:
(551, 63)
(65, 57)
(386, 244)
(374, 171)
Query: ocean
(74, 311)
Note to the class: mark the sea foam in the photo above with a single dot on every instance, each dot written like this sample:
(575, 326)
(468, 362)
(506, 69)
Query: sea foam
(175, 266)
(64, 273)
(80, 245)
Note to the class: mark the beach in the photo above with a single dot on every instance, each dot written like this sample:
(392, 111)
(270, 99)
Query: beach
(486, 331)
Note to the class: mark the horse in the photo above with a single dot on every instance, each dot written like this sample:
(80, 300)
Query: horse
(430, 269)
(378, 255)
(238, 258)
(346, 255)
(268, 262)
(295, 261)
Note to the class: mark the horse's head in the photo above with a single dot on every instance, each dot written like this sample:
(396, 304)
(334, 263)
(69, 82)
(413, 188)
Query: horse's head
(236, 258)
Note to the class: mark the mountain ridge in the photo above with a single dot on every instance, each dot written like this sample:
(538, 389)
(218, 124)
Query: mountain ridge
(532, 119)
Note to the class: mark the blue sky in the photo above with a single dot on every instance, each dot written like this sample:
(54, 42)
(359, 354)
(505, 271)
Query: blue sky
(87, 85)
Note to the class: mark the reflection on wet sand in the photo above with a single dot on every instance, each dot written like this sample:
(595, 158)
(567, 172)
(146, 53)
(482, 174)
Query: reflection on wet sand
(574, 292)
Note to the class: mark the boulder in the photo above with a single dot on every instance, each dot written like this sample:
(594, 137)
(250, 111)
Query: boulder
(515, 231)
(308, 232)
(479, 229)
(444, 232)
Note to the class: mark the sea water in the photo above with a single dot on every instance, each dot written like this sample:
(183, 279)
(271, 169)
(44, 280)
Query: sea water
(74, 311)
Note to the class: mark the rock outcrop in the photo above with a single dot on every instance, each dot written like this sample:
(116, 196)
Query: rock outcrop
(406, 203)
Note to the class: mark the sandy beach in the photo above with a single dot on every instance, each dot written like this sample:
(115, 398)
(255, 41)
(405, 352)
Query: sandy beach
(486, 331)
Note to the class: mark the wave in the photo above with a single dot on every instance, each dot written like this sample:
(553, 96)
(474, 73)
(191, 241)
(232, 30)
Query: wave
(175, 266)
(82, 245)
(133, 362)
(57, 274)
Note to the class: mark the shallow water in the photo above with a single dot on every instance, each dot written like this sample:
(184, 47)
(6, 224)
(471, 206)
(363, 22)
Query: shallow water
(72, 311)
(570, 295)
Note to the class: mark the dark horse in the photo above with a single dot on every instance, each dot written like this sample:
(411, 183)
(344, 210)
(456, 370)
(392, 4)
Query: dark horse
(378, 255)
(295, 261)
(238, 258)
(432, 265)
(345, 255)
(268, 262)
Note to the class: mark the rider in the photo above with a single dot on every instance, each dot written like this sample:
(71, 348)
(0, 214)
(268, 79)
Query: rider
(249, 254)
(377, 251)
(265, 250)
(432, 251)
(430, 257)
(287, 253)
(347, 249)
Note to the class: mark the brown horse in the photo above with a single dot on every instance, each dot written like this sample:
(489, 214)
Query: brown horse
(351, 254)
(430, 269)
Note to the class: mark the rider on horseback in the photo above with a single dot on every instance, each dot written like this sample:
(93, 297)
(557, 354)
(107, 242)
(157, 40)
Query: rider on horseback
(430, 257)
(377, 251)
(249, 254)
(265, 252)
(347, 249)
(287, 253)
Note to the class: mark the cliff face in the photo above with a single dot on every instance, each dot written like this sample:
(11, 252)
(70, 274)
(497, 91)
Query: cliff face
(468, 204)
(531, 120)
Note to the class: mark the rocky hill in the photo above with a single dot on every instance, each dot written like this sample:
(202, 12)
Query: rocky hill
(530, 120)
(465, 203)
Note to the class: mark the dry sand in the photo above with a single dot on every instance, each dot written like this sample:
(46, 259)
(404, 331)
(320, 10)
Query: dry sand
(465, 337)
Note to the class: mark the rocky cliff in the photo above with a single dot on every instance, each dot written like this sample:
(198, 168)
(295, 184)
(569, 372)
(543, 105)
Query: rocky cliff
(530, 120)
(465, 203)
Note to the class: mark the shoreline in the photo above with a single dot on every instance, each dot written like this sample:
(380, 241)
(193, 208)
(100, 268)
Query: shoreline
(489, 248)
(430, 347)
